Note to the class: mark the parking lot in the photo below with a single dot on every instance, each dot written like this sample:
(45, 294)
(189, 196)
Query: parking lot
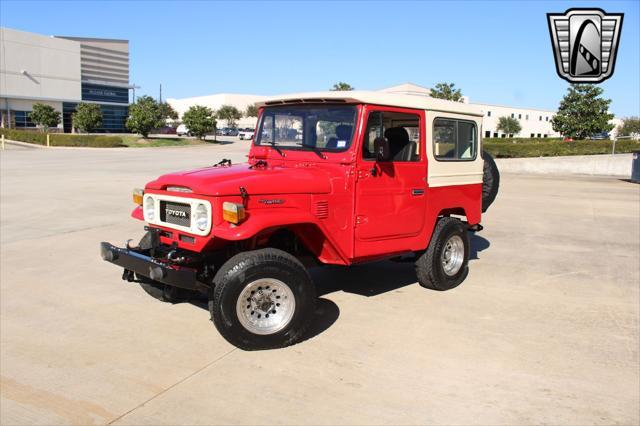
(544, 330)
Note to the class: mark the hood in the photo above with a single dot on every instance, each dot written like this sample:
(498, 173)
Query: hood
(216, 181)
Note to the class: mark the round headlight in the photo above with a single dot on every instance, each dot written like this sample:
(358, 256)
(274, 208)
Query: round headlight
(149, 208)
(201, 217)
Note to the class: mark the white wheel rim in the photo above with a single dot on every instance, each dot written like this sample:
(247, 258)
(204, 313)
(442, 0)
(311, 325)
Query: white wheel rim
(265, 306)
(452, 255)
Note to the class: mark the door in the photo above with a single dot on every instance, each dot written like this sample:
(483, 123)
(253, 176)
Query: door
(390, 192)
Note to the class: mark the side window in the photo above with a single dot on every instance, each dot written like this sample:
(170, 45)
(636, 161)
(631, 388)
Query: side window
(454, 139)
(267, 129)
(400, 130)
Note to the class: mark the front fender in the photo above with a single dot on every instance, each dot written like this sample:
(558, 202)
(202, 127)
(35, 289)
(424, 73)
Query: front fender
(306, 226)
(137, 213)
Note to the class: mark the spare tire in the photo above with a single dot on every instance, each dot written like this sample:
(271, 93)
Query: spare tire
(490, 181)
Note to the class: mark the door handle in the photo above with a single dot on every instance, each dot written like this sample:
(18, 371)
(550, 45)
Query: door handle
(417, 191)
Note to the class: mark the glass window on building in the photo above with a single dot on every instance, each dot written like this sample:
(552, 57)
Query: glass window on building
(22, 119)
(519, 116)
(488, 113)
(540, 118)
(113, 118)
(495, 134)
(526, 117)
(487, 134)
(513, 115)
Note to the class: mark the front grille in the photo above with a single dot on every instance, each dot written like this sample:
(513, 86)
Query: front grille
(175, 213)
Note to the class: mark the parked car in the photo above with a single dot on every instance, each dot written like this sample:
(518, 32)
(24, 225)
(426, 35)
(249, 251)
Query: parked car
(246, 134)
(599, 136)
(355, 189)
(227, 131)
(182, 130)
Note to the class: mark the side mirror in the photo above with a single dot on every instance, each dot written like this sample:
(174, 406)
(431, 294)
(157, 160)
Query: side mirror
(381, 149)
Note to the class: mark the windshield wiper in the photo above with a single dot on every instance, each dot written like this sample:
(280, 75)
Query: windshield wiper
(314, 149)
(274, 146)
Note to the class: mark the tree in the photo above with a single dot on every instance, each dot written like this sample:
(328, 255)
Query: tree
(200, 120)
(145, 115)
(44, 116)
(341, 86)
(446, 91)
(508, 125)
(229, 113)
(630, 126)
(167, 111)
(251, 111)
(87, 117)
(583, 112)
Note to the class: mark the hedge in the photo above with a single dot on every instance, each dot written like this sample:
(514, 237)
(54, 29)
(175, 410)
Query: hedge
(61, 139)
(514, 148)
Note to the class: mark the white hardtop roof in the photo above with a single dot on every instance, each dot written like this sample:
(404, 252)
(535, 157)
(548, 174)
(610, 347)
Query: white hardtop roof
(374, 98)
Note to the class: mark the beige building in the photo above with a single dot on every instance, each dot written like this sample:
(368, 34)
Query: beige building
(62, 71)
(241, 102)
(534, 122)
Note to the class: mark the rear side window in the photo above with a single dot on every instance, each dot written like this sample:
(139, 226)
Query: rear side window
(454, 140)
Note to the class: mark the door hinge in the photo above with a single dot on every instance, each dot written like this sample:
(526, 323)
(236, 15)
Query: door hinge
(363, 174)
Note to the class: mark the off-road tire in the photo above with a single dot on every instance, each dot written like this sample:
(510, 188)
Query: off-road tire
(490, 181)
(429, 267)
(247, 267)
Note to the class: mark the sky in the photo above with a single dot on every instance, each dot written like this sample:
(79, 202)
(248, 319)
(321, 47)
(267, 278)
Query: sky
(495, 52)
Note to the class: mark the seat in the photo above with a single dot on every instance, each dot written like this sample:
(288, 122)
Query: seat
(401, 148)
(343, 133)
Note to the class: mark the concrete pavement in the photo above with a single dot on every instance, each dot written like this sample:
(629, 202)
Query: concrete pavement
(544, 329)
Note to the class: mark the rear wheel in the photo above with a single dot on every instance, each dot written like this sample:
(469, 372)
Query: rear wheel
(262, 299)
(444, 265)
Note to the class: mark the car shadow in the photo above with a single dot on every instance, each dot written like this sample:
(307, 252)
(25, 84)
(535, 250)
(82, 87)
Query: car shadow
(478, 244)
(327, 312)
(369, 280)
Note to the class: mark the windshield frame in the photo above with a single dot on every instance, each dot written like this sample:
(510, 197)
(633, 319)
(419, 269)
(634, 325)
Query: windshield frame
(308, 148)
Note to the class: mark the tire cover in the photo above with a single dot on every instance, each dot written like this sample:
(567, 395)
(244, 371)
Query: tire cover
(490, 181)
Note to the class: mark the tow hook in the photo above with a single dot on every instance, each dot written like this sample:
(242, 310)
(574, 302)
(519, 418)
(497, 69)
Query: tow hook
(173, 256)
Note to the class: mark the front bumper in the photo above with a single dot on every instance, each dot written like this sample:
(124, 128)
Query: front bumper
(146, 266)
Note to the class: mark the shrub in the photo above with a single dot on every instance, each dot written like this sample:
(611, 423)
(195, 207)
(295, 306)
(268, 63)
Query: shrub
(59, 139)
(553, 148)
(86, 140)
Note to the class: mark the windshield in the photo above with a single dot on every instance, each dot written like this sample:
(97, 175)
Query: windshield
(326, 127)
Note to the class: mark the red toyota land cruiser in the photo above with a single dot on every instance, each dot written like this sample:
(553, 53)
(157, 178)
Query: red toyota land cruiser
(332, 178)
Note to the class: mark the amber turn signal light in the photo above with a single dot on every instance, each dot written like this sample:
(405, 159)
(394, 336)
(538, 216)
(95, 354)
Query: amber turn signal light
(137, 196)
(232, 212)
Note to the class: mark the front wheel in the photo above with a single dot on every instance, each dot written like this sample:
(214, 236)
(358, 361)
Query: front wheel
(444, 265)
(262, 299)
